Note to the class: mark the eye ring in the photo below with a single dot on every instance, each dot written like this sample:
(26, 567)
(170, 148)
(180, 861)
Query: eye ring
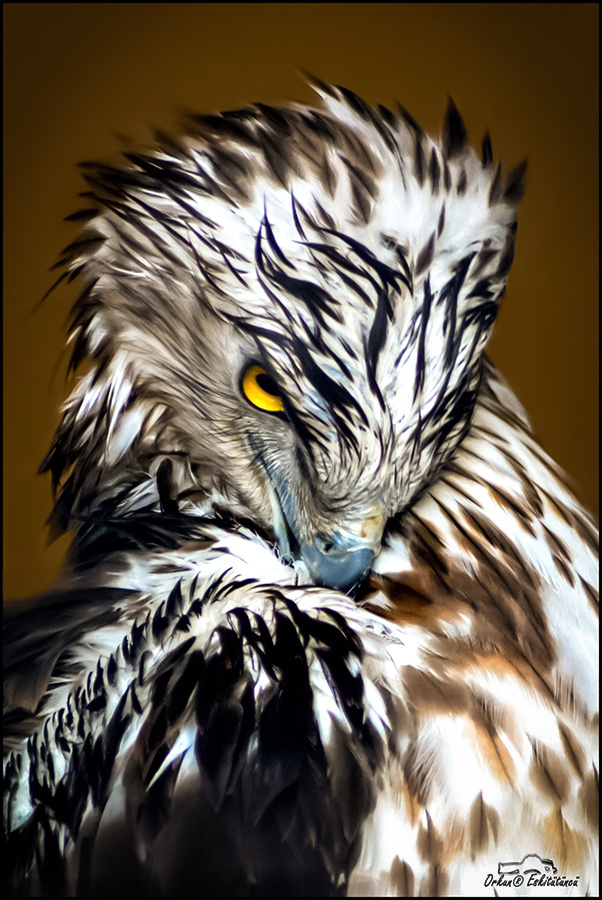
(260, 389)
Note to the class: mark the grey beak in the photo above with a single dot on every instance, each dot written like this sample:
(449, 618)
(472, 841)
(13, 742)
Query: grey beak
(335, 567)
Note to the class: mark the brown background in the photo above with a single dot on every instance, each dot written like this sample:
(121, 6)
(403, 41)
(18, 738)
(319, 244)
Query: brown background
(77, 75)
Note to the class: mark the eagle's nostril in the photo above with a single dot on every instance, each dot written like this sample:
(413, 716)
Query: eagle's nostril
(325, 545)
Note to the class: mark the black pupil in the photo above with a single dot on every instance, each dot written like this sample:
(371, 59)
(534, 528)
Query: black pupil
(267, 384)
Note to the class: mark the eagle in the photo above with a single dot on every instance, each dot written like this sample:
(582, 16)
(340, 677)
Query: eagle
(327, 625)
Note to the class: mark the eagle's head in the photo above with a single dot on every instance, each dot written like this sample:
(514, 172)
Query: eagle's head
(284, 316)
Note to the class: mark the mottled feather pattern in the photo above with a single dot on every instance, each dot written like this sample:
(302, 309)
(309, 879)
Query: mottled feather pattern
(203, 704)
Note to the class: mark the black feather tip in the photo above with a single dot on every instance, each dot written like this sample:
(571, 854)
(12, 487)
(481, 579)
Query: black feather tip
(486, 150)
(454, 131)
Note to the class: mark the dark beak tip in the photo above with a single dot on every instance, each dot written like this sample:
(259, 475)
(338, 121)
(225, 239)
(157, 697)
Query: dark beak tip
(343, 572)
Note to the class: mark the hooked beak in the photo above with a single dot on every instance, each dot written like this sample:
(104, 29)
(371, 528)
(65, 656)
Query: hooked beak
(343, 562)
(341, 570)
(338, 561)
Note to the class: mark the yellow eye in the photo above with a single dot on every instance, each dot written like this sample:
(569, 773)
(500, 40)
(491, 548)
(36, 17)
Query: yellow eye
(260, 389)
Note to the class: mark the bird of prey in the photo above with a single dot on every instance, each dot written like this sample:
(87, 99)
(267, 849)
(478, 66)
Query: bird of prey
(328, 621)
